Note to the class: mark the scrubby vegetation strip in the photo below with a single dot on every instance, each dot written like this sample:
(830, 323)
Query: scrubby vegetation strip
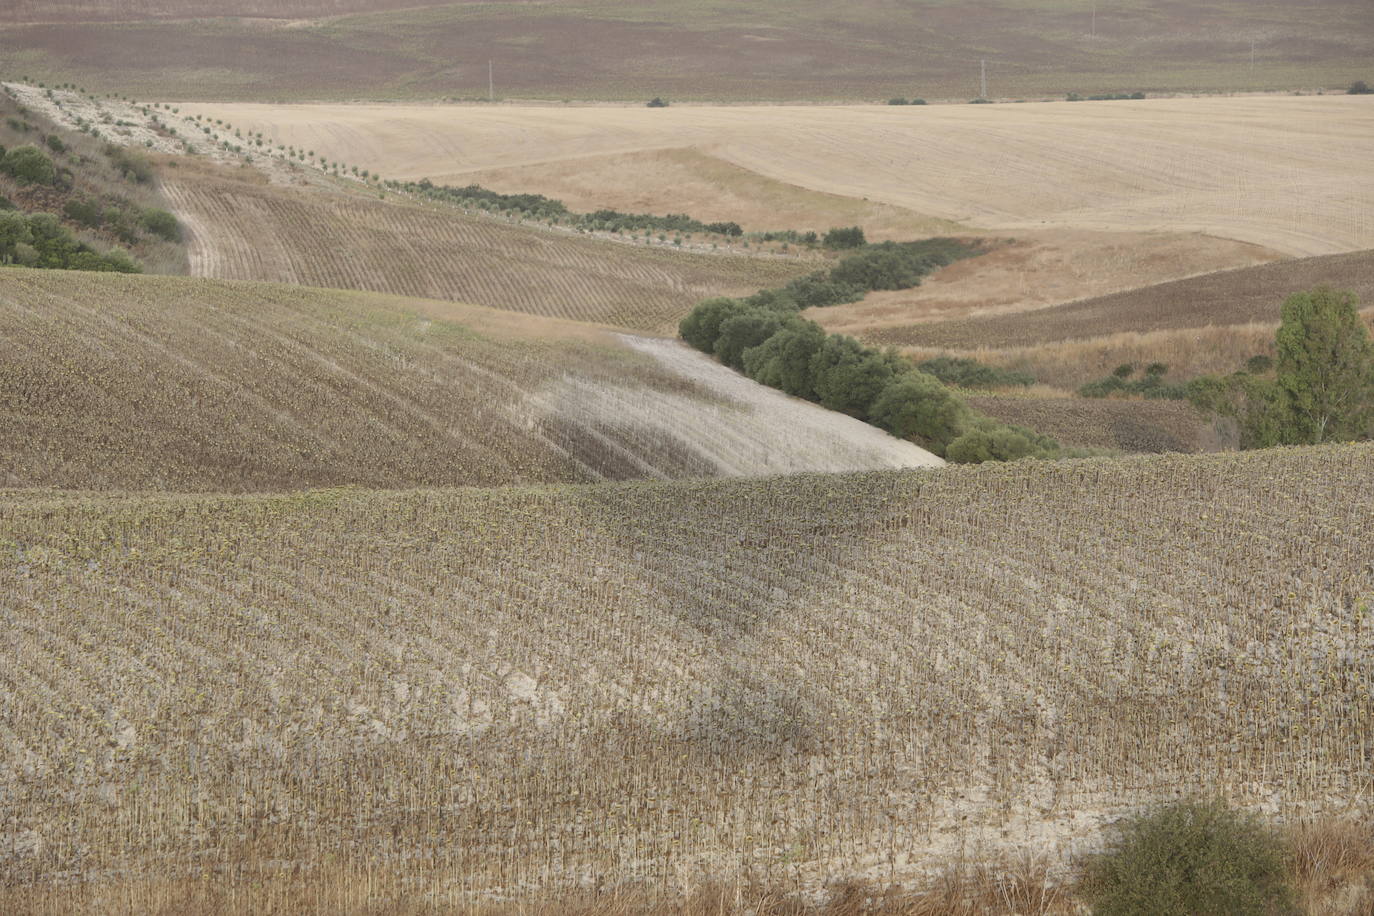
(70, 202)
(540, 207)
(763, 337)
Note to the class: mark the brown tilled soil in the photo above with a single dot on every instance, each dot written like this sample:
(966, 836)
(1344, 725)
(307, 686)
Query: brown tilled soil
(1230, 297)
(1125, 425)
(799, 49)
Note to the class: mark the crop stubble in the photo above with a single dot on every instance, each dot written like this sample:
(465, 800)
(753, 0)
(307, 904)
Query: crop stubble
(795, 678)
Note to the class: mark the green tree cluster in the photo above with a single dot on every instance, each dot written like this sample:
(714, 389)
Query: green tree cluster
(40, 240)
(764, 338)
(1323, 384)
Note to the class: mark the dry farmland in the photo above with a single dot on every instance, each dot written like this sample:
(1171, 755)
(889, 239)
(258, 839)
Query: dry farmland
(1286, 173)
(1232, 297)
(800, 678)
(132, 382)
(635, 49)
(245, 230)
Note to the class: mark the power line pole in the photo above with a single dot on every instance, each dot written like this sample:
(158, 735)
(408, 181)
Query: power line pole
(984, 93)
(491, 82)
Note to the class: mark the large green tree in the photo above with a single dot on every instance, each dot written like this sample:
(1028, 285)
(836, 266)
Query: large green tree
(1325, 368)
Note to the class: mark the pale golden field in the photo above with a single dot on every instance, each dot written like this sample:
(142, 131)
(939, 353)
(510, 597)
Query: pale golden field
(1287, 173)
(796, 679)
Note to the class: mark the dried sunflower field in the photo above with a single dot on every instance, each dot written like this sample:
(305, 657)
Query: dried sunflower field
(797, 678)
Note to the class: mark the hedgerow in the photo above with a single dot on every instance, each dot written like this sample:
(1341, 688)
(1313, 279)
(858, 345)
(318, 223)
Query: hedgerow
(763, 337)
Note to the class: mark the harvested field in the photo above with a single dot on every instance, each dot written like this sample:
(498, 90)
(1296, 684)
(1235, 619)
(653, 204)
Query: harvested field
(324, 237)
(635, 49)
(1038, 269)
(690, 181)
(1280, 172)
(143, 383)
(795, 679)
(1125, 425)
(1231, 297)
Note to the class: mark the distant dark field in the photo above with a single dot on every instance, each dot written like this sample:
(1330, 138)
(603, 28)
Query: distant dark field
(599, 49)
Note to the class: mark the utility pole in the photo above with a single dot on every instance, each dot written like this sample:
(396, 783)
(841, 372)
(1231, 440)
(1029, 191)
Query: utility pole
(491, 82)
(984, 93)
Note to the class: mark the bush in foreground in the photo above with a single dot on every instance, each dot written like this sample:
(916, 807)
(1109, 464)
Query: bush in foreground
(1190, 857)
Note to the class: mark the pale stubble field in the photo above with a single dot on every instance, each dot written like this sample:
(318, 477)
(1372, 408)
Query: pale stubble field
(1288, 173)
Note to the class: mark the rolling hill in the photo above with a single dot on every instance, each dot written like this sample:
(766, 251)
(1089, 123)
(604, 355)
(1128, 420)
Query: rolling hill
(331, 237)
(768, 49)
(157, 383)
(795, 679)
(1230, 297)
(1282, 172)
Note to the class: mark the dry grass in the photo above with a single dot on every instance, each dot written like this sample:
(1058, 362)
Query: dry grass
(793, 680)
(1187, 353)
(163, 383)
(1230, 297)
(1280, 172)
(1331, 866)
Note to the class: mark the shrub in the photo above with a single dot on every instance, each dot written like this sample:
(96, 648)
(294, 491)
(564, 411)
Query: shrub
(131, 164)
(849, 377)
(657, 102)
(55, 143)
(28, 165)
(819, 289)
(1359, 87)
(730, 229)
(1190, 857)
(898, 101)
(915, 406)
(14, 231)
(783, 361)
(918, 101)
(701, 326)
(840, 239)
(83, 210)
(1259, 364)
(992, 441)
(161, 224)
(969, 373)
(744, 330)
